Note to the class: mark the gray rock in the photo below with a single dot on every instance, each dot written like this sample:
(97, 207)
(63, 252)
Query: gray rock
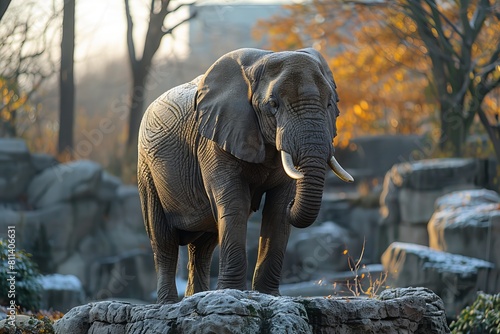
(410, 191)
(467, 223)
(467, 198)
(64, 182)
(434, 320)
(453, 277)
(108, 187)
(387, 150)
(75, 265)
(364, 225)
(45, 233)
(24, 324)
(16, 168)
(436, 174)
(317, 249)
(233, 311)
(42, 161)
(417, 185)
(417, 206)
(125, 224)
(61, 292)
(128, 275)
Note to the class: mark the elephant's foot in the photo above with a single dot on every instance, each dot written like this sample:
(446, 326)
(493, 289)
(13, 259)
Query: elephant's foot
(231, 285)
(167, 295)
(272, 292)
(167, 299)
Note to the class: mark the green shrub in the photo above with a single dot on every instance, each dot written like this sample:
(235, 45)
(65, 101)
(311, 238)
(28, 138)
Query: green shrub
(27, 292)
(483, 316)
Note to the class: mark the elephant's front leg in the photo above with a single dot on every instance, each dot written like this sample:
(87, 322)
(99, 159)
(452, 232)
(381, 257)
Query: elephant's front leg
(232, 211)
(274, 234)
(230, 199)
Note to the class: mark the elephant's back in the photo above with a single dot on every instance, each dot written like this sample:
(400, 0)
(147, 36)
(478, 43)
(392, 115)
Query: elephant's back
(169, 117)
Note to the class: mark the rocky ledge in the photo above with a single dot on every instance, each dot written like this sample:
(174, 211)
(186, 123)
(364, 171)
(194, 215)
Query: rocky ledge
(408, 310)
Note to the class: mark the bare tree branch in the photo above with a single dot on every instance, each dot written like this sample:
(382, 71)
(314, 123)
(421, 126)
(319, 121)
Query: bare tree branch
(140, 66)
(130, 34)
(171, 29)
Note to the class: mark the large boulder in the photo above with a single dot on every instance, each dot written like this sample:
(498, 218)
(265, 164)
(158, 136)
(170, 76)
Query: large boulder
(315, 252)
(47, 233)
(453, 277)
(362, 152)
(125, 225)
(16, 168)
(64, 182)
(467, 223)
(75, 216)
(232, 311)
(61, 292)
(128, 275)
(411, 189)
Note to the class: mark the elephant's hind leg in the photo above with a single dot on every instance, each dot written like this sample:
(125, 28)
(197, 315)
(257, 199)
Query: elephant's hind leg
(200, 256)
(163, 236)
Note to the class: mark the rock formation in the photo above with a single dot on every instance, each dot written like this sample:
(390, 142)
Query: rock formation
(412, 310)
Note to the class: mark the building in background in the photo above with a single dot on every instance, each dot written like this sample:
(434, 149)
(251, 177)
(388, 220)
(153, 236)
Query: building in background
(222, 27)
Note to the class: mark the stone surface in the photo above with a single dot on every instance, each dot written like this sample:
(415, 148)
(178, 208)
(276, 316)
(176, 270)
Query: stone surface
(125, 221)
(467, 198)
(452, 277)
(318, 249)
(233, 311)
(414, 187)
(75, 215)
(61, 292)
(25, 324)
(42, 161)
(128, 275)
(387, 150)
(467, 227)
(16, 168)
(410, 191)
(45, 233)
(64, 182)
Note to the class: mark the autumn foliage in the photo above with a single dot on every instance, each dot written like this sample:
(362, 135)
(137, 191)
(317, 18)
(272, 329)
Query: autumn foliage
(381, 61)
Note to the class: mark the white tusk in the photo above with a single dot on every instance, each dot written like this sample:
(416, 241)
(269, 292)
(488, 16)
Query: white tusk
(339, 171)
(287, 161)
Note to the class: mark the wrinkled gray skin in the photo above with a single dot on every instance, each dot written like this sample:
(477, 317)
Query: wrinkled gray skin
(209, 150)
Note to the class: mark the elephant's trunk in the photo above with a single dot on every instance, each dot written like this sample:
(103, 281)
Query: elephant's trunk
(304, 209)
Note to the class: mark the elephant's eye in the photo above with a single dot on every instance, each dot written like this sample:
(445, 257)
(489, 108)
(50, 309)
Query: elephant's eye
(274, 105)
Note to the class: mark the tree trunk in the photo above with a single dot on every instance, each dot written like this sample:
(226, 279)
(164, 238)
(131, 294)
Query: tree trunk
(137, 99)
(453, 129)
(66, 80)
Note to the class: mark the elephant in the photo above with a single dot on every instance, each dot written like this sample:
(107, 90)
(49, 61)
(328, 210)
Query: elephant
(256, 123)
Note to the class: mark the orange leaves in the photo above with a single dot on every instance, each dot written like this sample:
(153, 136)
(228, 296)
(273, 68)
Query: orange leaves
(10, 100)
(375, 56)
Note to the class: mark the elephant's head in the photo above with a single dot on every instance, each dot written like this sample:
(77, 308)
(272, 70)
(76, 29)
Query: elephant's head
(250, 98)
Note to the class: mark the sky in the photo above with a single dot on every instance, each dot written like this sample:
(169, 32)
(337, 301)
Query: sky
(101, 27)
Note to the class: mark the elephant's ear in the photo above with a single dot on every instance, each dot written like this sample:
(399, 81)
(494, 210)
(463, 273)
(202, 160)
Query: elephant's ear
(224, 105)
(324, 65)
